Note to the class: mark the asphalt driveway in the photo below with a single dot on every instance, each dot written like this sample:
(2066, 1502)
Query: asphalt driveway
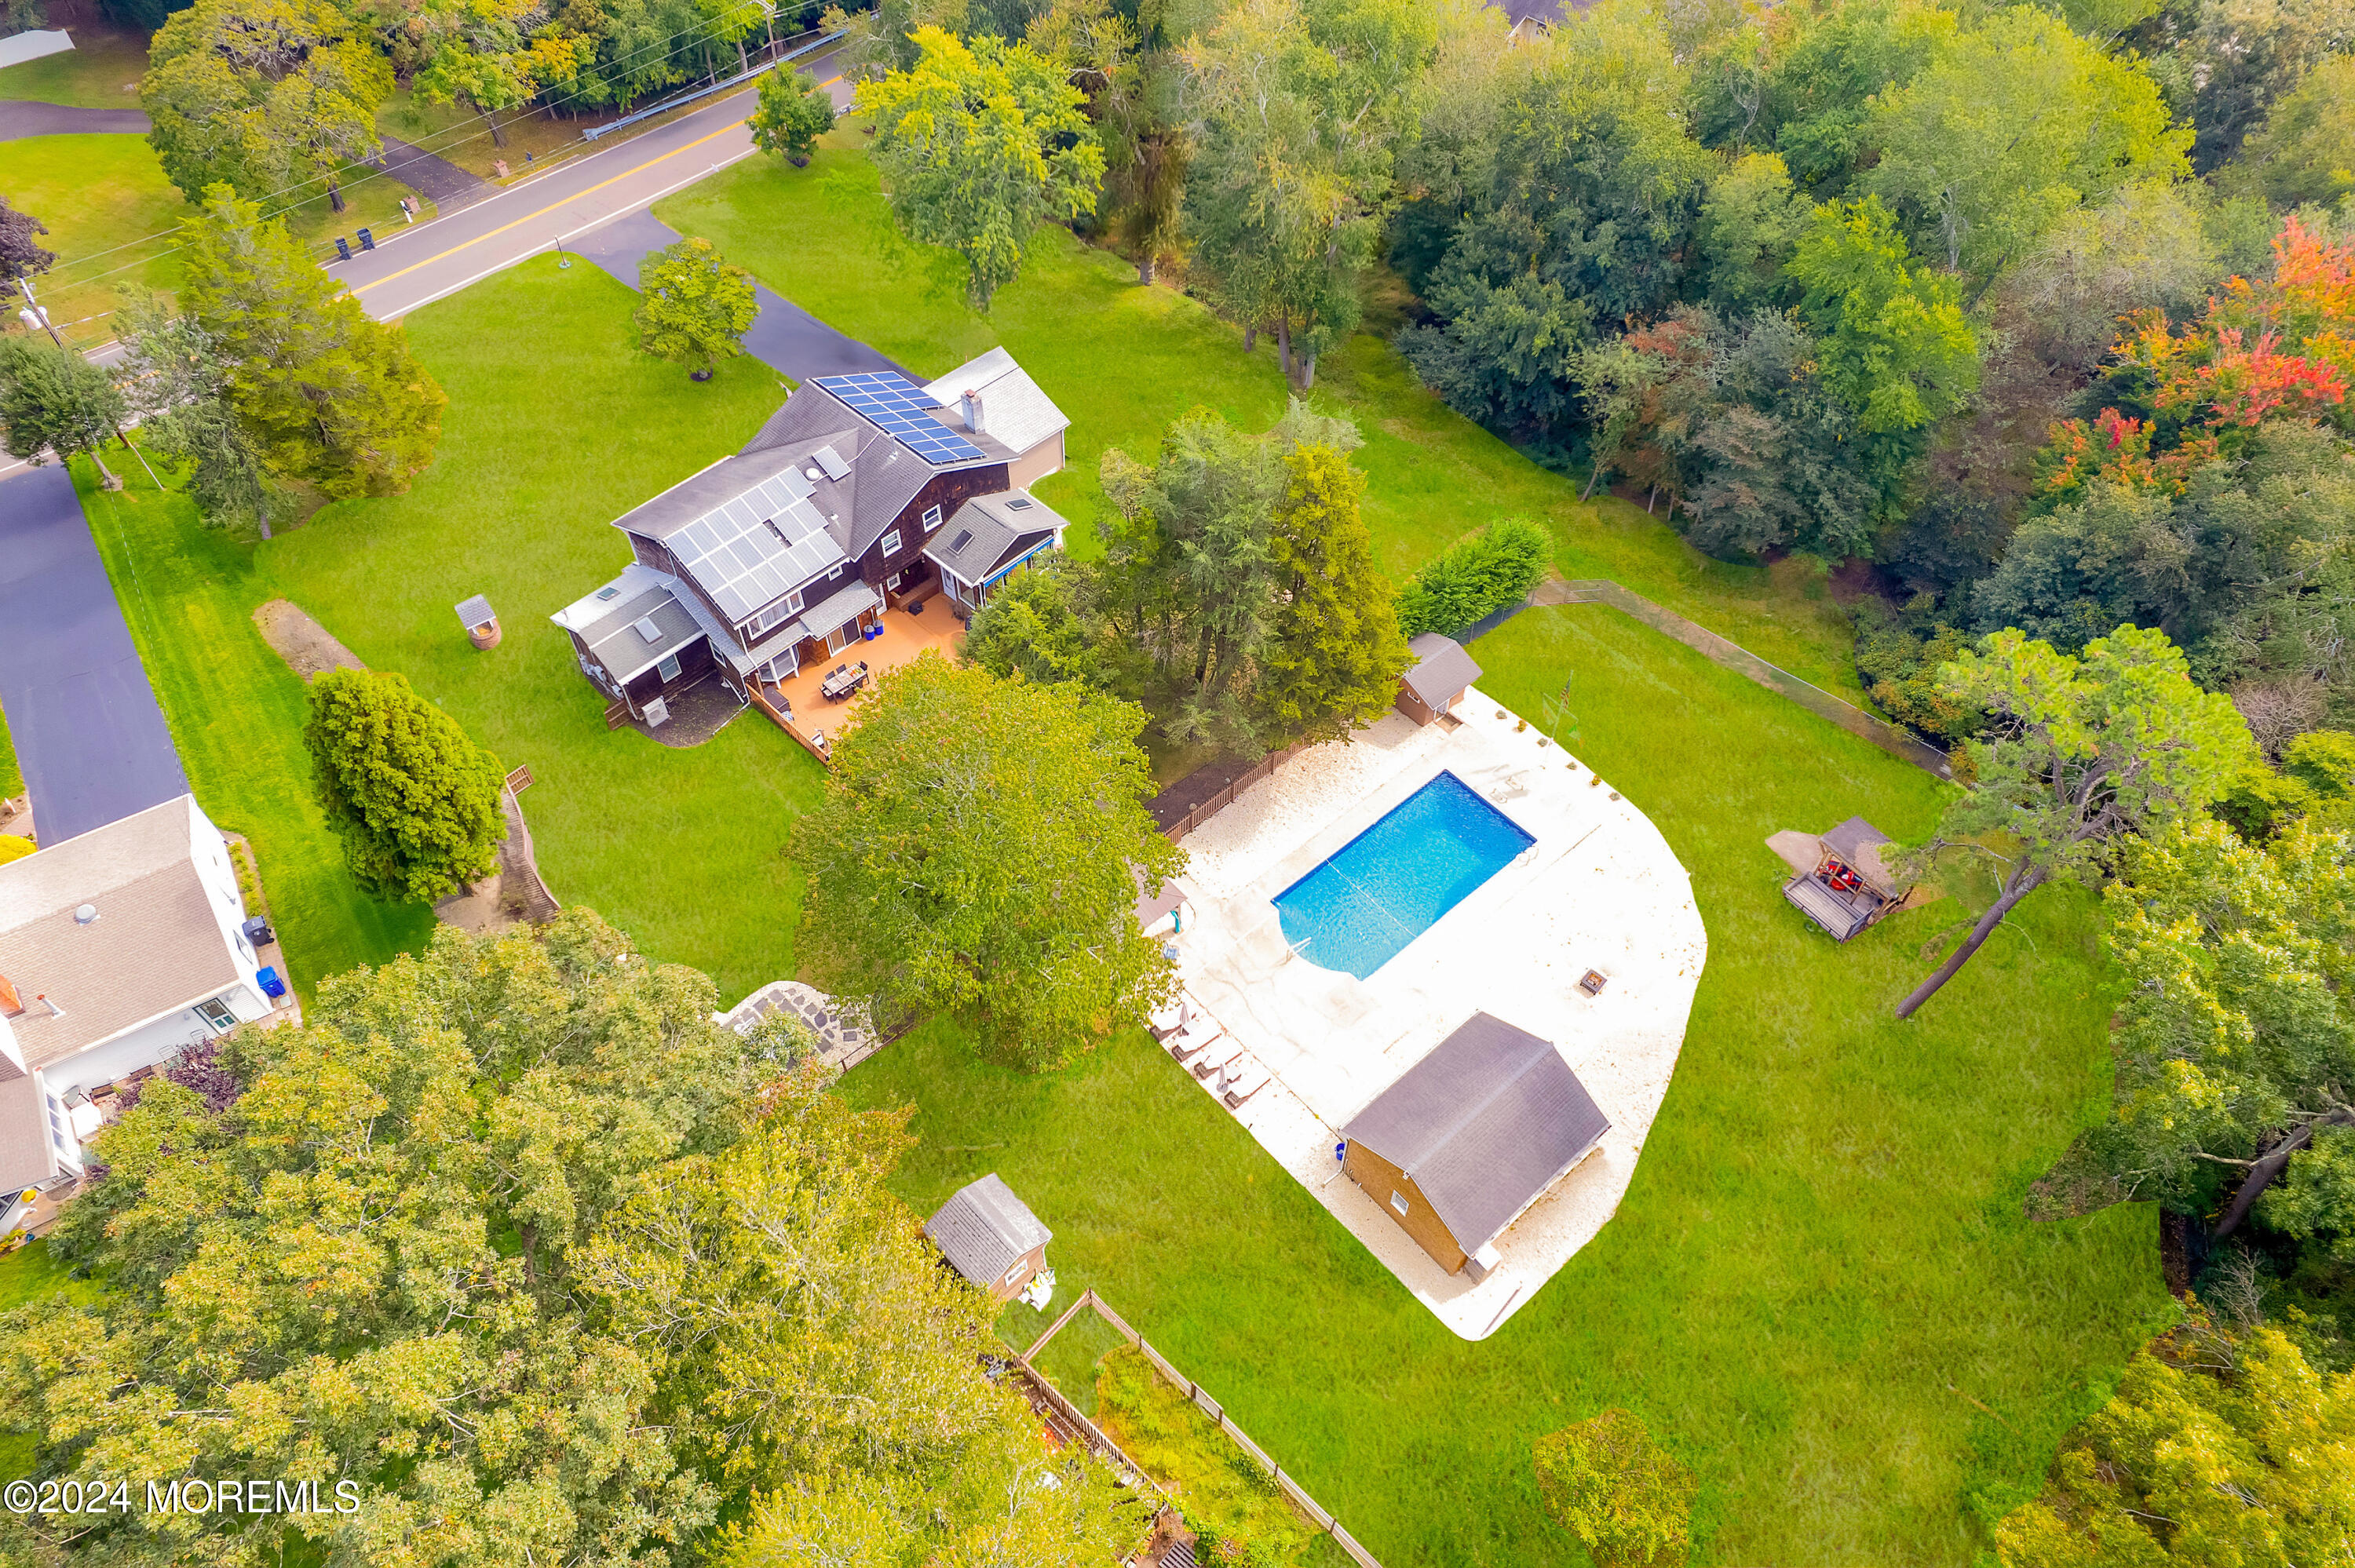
(90, 737)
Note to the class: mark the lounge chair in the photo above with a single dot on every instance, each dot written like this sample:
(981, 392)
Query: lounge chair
(1220, 1052)
(1190, 1040)
(1166, 1021)
(1244, 1080)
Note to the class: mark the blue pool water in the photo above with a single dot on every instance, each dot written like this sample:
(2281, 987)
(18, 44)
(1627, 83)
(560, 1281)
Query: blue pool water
(1388, 885)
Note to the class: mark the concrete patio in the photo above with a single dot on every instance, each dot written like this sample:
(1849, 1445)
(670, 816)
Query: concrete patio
(1600, 889)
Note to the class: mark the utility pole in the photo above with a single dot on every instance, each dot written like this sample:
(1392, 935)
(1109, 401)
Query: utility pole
(39, 317)
(35, 311)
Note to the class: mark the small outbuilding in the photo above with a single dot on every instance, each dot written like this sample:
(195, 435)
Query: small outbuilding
(991, 1237)
(481, 622)
(1475, 1133)
(1842, 881)
(1440, 675)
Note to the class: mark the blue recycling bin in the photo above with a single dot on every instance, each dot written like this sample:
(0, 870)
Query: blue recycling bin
(271, 986)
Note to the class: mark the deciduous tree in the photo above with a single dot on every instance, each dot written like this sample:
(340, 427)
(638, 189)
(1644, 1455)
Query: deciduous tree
(415, 801)
(329, 396)
(978, 143)
(977, 848)
(882, 38)
(2302, 154)
(1333, 652)
(794, 112)
(263, 96)
(1627, 1501)
(179, 384)
(495, 55)
(2081, 755)
(697, 305)
(1896, 344)
(21, 256)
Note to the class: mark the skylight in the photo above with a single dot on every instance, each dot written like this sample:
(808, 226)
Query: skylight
(644, 626)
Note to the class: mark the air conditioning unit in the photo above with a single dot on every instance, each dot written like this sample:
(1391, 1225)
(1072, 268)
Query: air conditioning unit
(658, 714)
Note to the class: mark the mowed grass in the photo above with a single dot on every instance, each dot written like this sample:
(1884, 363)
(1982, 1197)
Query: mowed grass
(556, 426)
(12, 777)
(1122, 361)
(236, 714)
(1819, 1289)
(101, 71)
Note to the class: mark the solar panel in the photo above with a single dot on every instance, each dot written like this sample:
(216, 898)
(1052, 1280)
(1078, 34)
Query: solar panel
(831, 461)
(902, 409)
(753, 547)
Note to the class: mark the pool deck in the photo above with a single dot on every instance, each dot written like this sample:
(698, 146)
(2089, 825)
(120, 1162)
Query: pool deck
(1599, 889)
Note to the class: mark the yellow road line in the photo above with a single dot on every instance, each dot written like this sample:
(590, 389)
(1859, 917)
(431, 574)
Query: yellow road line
(567, 201)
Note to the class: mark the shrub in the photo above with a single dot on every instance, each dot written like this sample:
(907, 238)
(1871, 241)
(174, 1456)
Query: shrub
(1607, 1483)
(1476, 577)
(1897, 657)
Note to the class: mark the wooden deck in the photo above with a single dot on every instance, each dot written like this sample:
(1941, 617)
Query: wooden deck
(814, 721)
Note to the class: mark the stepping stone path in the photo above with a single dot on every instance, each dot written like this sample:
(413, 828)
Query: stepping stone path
(841, 1044)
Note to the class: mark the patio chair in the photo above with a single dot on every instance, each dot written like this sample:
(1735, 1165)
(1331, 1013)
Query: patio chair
(1192, 1037)
(1168, 1020)
(1247, 1080)
(1220, 1052)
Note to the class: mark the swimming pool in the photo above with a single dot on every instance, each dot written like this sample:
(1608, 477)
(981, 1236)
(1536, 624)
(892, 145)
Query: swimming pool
(1391, 883)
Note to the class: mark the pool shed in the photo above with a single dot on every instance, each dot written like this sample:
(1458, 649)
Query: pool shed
(1441, 673)
(991, 1237)
(1470, 1137)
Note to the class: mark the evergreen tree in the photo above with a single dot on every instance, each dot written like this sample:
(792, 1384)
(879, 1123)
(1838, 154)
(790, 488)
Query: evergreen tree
(179, 385)
(1333, 652)
(329, 397)
(415, 801)
(53, 399)
(697, 305)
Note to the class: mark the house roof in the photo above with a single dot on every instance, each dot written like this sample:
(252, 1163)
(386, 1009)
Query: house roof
(984, 1228)
(643, 600)
(884, 473)
(1485, 1124)
(1014, 411)
(1441, 668)
(745, 529)
(990, 533)
(157, 946)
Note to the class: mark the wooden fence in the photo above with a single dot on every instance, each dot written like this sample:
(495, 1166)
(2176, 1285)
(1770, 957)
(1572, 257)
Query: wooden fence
(1210, 789)
(1316, 1512)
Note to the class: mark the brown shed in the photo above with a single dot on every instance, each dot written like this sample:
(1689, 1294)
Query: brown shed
(1473, 1135)
(1441, 673)
(991, 1237)
(1850, 884)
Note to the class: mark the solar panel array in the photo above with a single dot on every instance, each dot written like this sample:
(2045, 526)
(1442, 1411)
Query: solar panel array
(902, 409)
(742, 562)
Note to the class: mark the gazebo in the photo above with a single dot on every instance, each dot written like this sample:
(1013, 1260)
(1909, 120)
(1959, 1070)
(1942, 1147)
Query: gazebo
(1843, 882)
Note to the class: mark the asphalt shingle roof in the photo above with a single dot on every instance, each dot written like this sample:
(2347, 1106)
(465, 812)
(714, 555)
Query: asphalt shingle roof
(1483, 1124)
(1014, 409)
(984, 1228)
(989, 532)
(1441, 668)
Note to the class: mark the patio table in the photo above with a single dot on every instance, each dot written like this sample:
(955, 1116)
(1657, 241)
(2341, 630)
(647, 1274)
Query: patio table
(842, 683)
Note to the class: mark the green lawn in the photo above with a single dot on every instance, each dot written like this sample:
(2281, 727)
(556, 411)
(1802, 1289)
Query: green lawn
(236, 714)
(101, 71)
(12, 778)
(1818, 1289)
(556, 426)
(113, 219)
(1122, 361)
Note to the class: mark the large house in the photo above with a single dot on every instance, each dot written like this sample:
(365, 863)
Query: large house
(118, 948)
(863, 493)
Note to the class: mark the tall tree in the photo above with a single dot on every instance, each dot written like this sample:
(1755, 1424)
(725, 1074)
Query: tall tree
(882, 38)
(52, 399)
(494, 55)
(21, 257)
(2082, 754)
(1896, 344)
(370, 1250)
(1296, 105)
(978, 847)
(2300, 153)
(2012, 124)
(331, 398)
(179, 384)
(263, 96)
(1333, 652)
(697, 305)
(979, 143)
(415, 801)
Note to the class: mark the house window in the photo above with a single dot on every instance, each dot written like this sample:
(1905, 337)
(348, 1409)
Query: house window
(891, 543)
(776, 613)
(1014, 1273)
(668, 668)
(892, 582)
(931, 518)
(1399, 1204)
(215, 1012)
(834, 574)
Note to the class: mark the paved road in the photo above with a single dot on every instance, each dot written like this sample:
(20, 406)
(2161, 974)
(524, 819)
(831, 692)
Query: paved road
(88, 734)
(21, 117)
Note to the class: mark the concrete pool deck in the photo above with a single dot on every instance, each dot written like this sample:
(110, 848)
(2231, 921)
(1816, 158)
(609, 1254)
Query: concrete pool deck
(1599, 889)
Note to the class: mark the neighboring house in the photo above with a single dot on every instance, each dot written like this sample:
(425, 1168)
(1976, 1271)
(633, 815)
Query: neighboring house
(1845, 883)
(118, 948)
(991, 1237)
(862, 493)
(1438, 678)
(1469, 1137)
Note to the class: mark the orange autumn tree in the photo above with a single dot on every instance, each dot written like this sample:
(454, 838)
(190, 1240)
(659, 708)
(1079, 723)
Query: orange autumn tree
(2284, 347)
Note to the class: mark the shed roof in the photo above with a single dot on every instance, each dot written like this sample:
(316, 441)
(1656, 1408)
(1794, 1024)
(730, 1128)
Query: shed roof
(1441, 669)
(984, 1228)
(1857, 843)
(157, 946)
(1483, 1125)
(1014, 409)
